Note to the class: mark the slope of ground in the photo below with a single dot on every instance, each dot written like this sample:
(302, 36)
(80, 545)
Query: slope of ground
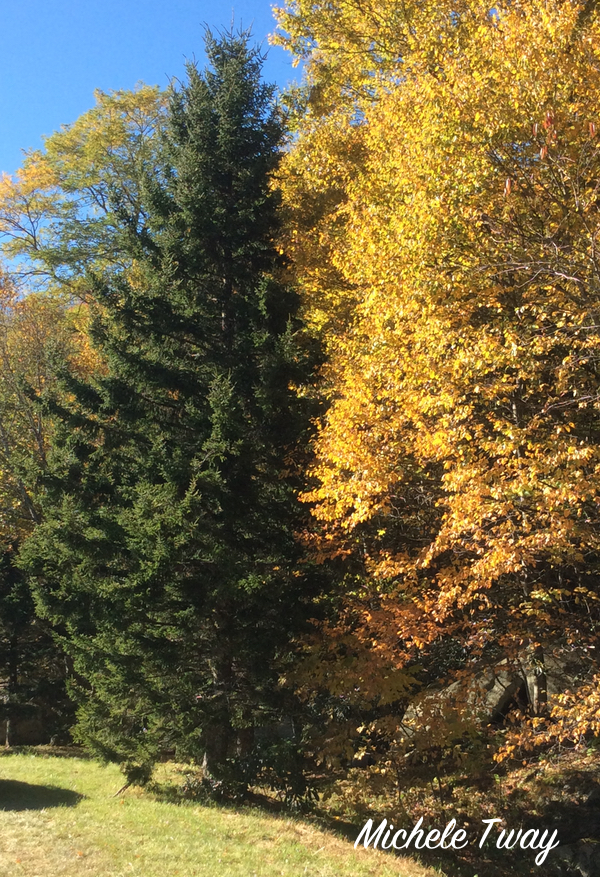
(60, 819)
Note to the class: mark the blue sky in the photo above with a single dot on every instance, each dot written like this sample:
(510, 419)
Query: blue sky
(56, 52)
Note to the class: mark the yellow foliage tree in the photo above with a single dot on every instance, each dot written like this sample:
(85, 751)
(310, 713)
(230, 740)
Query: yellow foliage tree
(442, 194)
(58, 209)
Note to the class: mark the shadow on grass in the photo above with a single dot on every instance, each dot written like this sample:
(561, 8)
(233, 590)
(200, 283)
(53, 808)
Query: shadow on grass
(176, 794)
(15, 795)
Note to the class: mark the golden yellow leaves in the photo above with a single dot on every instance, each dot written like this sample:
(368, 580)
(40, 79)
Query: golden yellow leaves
(447, 245)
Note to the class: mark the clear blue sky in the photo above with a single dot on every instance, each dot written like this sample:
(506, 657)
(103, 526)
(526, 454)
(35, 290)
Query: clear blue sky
(56, 52)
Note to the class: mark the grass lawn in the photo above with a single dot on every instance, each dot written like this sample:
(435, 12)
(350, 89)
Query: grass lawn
(59, 819)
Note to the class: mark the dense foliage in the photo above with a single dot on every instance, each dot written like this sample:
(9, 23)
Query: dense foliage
(443, 192)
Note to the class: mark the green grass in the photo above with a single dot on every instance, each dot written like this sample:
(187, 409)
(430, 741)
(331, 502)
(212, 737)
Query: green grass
(60, 819)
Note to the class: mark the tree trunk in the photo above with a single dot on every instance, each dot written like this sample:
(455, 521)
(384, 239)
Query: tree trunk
(217, 738)
(245, 741)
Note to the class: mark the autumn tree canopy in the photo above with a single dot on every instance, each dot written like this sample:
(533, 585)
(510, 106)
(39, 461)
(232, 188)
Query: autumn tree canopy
(443, 202)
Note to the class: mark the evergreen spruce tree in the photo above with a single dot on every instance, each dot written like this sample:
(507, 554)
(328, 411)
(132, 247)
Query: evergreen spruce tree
(167, 549)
